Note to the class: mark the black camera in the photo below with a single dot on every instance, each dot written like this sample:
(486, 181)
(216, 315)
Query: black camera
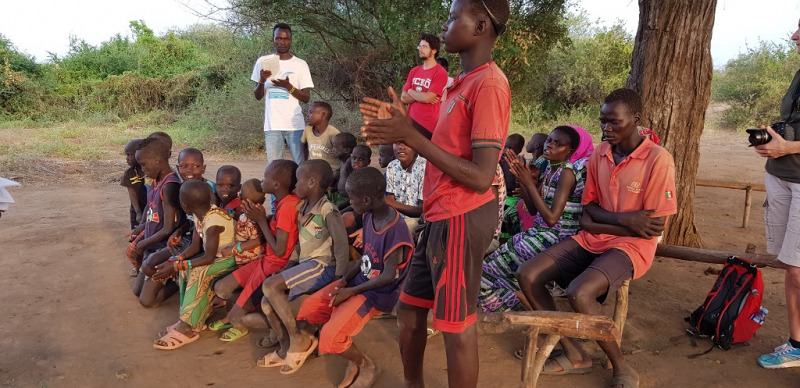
(760, 136)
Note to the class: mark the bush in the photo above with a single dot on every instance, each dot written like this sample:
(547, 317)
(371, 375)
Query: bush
(754, 83)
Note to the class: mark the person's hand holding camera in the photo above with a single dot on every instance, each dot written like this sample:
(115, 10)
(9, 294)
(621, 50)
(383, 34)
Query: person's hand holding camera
(778, 146)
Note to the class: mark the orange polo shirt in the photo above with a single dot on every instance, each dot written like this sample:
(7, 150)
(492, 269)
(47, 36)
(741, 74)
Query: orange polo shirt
(474, 113)
(644, 180)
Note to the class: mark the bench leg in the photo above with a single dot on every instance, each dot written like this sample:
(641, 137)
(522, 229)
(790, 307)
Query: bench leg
(534, 360)
(620, 312)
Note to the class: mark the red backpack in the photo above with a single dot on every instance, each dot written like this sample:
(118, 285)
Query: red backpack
(732, 311)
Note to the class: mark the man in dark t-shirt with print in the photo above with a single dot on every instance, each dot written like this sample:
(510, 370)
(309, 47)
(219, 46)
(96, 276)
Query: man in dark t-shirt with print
(425, 84)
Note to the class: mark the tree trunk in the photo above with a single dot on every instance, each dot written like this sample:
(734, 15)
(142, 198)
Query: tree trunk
(671, 69)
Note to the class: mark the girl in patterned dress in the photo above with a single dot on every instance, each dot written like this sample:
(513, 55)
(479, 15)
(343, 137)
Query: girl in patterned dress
(554, 198)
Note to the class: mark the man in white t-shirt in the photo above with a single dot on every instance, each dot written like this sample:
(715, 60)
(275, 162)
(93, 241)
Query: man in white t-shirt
(283, 116)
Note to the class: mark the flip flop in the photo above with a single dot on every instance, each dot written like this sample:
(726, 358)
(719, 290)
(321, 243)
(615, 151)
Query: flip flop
(169, 328)
(294, 360)
(174, 340)
(432, 332)
(348, 376)
(271, 360)
(566, 367)
(625, 381)
(219, 325)
(520, 353)
(233, 334)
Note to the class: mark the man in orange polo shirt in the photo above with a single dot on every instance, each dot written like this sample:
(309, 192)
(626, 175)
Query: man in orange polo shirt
(630, 191)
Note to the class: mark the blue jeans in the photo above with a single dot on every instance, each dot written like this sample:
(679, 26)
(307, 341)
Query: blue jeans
(275, 140)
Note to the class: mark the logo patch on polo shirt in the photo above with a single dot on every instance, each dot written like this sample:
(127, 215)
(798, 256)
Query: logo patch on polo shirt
(668, 194)
(635, 187)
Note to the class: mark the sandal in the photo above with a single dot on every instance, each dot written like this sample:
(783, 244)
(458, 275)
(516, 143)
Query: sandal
(169, 328)
(233, 334)
(294, 360)
(520, 353)
(625, 381)
(350, 375)
(566, 367)
(271, 360)
(173, 340)
(219, 325)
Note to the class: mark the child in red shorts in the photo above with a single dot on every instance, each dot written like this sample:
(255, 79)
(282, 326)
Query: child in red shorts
(280, 233)
(370, 287)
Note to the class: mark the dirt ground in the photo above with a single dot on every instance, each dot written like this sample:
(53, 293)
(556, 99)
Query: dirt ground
(70, 319)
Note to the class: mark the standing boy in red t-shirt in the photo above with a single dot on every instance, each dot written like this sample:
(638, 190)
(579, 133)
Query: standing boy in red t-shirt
(629, 193)
(425, 84)
(459, 207)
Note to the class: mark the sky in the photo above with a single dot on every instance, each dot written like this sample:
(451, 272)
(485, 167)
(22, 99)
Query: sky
(41, 26)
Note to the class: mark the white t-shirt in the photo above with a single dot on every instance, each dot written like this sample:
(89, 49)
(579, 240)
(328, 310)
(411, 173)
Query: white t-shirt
(282, 111)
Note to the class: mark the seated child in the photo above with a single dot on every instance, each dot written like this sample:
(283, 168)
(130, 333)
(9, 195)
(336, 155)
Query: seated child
(371, 286)
(404, 178)
(385, 155)
(151, 293)
(228, 184)
(535, 147)
(628, 195)
(198, 265)
(160, 216)
(360, 158)
(280, 233)
(343, 145)
(318, 135)
(192, 166)
(321, 256)
(133, 179)
(514, 143)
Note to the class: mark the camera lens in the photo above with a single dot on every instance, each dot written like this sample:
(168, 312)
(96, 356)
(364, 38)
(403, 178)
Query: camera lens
(758, 136)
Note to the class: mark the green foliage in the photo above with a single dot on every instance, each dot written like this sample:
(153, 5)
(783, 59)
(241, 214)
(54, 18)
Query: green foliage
(754, 83)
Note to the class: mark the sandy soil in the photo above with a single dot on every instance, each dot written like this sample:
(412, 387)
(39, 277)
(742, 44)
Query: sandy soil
(70, 319)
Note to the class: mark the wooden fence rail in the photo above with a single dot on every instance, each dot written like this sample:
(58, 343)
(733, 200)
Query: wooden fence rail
(747, 187)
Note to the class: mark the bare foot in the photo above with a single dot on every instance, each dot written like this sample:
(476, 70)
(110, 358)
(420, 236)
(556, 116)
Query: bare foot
(302, 345)
(367, 374)
(349, 375)
(625, 377)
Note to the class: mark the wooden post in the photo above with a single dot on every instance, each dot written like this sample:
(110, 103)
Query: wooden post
(541, 357)
(747, 201)
(620, 312)
(529, 373)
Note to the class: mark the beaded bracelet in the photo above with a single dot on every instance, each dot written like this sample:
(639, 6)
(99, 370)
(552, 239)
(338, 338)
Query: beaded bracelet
(239, 247)
(189, 262)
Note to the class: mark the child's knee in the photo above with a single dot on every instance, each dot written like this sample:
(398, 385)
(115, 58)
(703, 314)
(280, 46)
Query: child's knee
(266, 307)
(531, 275)
(273, 286)
(580, 293)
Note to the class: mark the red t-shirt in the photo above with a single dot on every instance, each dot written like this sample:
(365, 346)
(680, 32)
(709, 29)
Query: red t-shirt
(643, 180)
(285, 218)
(475, 114)
(422, 80)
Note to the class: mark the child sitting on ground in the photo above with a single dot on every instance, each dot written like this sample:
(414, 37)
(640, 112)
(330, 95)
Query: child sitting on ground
(321, 256)
(371, 286)
(280, 233)
(133, 180)
(198, 265)
(343, 145)
(228, 184)
(385, 155)
(318, 135)
(628, 195)
(160, 216)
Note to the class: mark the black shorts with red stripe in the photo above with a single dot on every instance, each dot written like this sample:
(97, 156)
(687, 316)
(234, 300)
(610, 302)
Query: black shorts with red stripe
(445, 269)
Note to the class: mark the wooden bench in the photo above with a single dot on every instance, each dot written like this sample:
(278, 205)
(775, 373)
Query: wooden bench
(557, 324)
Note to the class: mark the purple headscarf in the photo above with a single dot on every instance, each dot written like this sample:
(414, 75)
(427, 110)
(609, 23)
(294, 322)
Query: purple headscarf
(585, 146)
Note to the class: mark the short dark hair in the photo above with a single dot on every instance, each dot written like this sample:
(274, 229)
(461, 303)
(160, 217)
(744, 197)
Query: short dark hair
(233, 170)
(150, 146)
(322, 171)
(251, 186)
(324, 105)
(282, 26)
(433, 41)
(192, 151)
(348, 139)
(497, 11)
(286, 172)
(365, 149)
(629, 97)
(574, 136)
(516, 142)
(196, 192)
(443, 63)
(165, 139)
(367, 181)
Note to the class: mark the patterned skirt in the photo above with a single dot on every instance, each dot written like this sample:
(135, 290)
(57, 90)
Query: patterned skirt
(499, 276)
(196, 290)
